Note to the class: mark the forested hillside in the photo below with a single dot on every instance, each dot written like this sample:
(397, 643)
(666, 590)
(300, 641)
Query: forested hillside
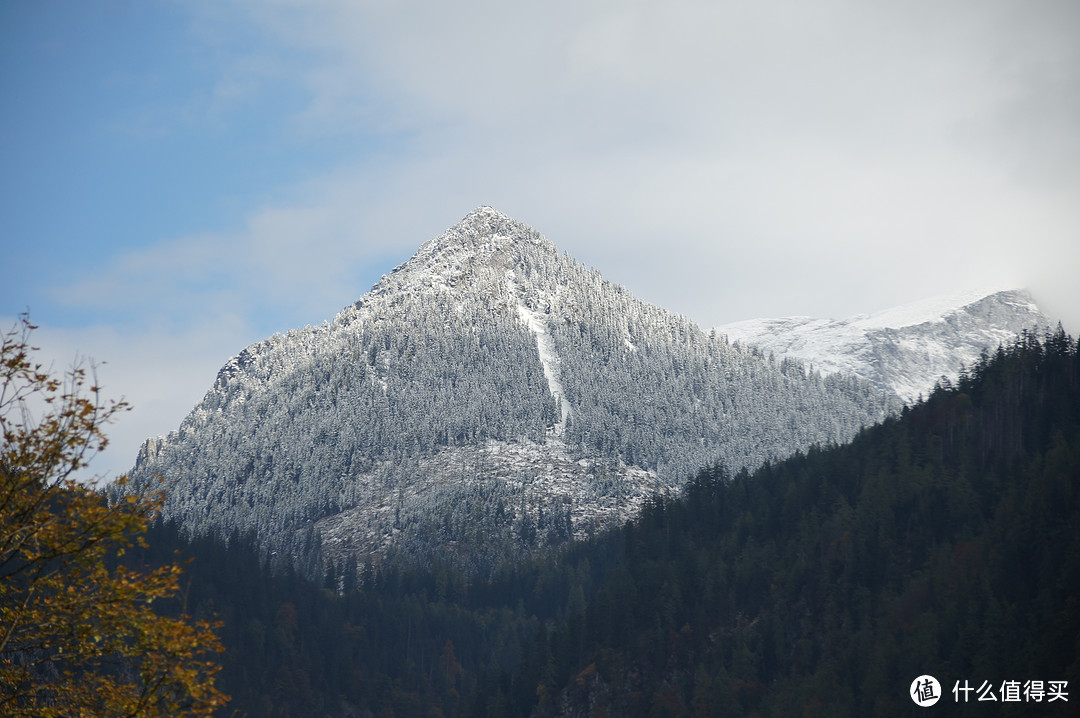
(945, 541)
(488, 398)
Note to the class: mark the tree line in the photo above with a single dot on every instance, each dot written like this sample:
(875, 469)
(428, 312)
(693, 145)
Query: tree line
(944, 541)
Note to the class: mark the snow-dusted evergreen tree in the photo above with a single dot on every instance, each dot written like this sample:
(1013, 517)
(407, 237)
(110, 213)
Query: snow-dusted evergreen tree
(489, 396)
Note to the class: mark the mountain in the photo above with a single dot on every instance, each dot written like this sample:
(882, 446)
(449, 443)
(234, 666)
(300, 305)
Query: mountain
(488, 397)
(944, 542)
(904, 350)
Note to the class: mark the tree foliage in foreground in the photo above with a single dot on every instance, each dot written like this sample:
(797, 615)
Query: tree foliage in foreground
(79, 634)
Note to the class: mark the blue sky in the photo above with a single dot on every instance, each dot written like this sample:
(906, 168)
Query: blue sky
(182, 179)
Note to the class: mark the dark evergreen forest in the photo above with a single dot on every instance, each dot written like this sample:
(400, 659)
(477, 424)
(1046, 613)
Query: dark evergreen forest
(945, 541)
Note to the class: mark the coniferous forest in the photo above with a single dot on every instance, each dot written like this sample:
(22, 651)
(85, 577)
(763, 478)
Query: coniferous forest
(445, 414)
(945, 541)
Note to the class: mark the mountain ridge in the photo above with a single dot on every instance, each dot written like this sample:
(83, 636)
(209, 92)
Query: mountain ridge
(906, 349)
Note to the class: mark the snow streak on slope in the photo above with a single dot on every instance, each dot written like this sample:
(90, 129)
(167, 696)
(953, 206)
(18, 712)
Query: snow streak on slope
(545, 346)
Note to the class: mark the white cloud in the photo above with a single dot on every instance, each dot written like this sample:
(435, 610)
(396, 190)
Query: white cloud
(725, 160)
(298, 262)
(872, 141)
(161, 375)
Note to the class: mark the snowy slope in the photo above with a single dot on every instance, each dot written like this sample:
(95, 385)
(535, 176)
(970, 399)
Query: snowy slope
(486, 398)
(904, 350)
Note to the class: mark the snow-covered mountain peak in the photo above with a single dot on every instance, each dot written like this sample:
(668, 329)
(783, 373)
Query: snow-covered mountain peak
(480, 234)
(474, 253)
(936, 309)
(490, 396)
(904, 350)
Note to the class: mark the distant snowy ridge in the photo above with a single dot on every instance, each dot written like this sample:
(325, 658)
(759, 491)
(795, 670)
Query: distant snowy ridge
(904, 350)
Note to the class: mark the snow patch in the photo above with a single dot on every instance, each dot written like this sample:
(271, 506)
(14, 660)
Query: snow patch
(904, 350)
(599, 493)
(934, 309)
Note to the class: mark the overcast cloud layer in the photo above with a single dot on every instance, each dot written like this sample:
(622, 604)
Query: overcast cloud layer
(257, 165)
